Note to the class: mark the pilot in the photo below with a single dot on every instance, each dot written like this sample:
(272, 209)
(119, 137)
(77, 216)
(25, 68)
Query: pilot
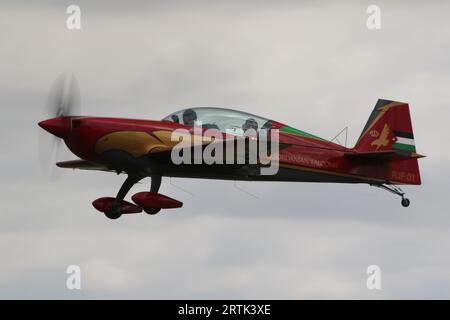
(189, 117)
(250, 124)
(267, 126)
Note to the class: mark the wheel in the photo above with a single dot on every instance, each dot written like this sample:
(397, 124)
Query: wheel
(113, 214)
(405, 202)
(152, 211)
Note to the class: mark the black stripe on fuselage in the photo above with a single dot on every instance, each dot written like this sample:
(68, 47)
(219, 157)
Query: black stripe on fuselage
(224, 172)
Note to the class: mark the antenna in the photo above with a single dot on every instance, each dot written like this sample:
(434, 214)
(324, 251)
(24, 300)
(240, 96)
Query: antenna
(336, 137)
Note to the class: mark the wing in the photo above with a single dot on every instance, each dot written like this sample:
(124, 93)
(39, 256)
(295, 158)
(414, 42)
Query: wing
(164, 156)
(82, 165)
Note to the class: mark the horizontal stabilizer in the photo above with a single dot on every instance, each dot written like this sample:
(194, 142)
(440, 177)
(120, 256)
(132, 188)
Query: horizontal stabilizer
(382, 155)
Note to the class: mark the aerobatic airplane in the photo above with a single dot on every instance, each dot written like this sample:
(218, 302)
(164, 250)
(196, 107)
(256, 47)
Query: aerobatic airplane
(384, 155)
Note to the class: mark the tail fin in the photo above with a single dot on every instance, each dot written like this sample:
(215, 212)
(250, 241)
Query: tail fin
(389, 128)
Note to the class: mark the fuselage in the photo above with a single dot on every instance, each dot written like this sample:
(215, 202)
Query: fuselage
(128, 144)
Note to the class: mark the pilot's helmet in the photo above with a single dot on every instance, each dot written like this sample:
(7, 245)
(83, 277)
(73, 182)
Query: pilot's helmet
(250, 124)
(189, 117)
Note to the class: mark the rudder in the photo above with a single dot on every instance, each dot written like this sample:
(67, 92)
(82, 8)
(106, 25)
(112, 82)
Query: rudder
(389, 128)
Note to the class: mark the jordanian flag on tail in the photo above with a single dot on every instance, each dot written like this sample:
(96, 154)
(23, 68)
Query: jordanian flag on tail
(404, 141)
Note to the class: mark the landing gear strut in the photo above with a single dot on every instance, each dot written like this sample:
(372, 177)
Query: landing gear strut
(155, 184)
(115, 211)
(396, 190)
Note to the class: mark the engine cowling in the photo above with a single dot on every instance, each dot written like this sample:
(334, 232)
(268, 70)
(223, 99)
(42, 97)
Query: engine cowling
(104, 205)
(155, 200)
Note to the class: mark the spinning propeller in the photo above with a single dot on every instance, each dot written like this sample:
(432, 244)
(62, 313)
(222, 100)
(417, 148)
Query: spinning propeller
(63, 101)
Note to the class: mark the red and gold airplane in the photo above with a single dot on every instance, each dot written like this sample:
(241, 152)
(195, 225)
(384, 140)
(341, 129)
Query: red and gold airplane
(384, 155)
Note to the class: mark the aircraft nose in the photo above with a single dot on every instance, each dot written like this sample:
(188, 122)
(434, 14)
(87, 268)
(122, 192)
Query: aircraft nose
(57, 126)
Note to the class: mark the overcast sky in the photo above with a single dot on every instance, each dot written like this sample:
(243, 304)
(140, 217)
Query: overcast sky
(314, 66)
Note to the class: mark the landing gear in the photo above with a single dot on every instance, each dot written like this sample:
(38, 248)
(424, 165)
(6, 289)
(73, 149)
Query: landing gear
(396, 190)
(154, 187)
(151, 202)
(152, 211)
(115, 211)
(113, 214)
(405, 202)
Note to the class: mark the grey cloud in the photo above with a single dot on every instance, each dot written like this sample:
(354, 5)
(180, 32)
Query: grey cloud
(313, 66)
